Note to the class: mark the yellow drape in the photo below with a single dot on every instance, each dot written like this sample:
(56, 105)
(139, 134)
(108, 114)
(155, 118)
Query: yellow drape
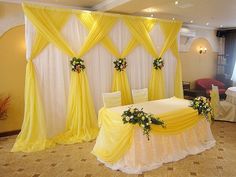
(171, 31)
(48, 23)
(140, 32)
(81, 117)
(120, 79)
(215, 99)
(81, 124)
(115, 138)
(33, 135)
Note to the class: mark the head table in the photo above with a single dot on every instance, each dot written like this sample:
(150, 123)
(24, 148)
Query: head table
(124, 147)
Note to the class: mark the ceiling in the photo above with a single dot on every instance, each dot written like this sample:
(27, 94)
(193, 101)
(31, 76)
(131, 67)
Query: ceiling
(205, 13)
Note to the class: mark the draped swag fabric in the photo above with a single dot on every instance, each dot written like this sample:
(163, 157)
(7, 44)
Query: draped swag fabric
(81, 122)
(141, 33)
(113, 144)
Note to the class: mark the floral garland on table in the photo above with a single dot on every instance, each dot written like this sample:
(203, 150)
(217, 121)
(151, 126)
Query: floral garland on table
(203, 105)
(144, 120)
(158, 63)
(120, 64)
(77, 64)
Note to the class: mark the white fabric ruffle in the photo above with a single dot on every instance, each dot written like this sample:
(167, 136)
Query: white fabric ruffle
(146, 155)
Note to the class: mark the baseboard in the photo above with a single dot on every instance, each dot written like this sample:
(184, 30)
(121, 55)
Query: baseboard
(9, 133)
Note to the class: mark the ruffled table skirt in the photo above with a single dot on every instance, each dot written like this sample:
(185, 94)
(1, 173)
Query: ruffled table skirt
(146, 155)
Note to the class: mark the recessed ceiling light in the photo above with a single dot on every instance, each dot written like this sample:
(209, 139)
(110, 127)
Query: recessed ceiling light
(221, 26)
(151, 15)
(173, 18)
(176, 2)
(150, 10)
(191, 21)
(207, 23)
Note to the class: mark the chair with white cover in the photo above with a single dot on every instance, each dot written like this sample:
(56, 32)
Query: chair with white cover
(112, 99)
(222, 110)
(140, 95)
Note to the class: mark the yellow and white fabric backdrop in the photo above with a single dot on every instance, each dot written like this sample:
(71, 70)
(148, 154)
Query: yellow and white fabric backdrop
(53, 71)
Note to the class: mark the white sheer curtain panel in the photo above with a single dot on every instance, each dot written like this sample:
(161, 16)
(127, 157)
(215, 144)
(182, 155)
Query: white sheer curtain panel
(53, 68)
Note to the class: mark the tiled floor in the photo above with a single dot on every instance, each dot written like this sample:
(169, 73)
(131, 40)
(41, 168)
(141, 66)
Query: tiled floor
(77, 161)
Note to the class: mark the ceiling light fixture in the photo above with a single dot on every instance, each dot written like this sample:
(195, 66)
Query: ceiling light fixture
(176, 2)
(207, 23)
(150, 10)
(151, 15)
(173, 18)
(221, 26)
(191, 21)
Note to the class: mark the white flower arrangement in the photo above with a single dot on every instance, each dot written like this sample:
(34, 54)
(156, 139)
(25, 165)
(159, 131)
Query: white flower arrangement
(203, 105)
(77, 64)
(120, 64)
(158, 63)
(136, 116)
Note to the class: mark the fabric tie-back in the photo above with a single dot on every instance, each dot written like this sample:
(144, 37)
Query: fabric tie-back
(117, 136)
(48, 23)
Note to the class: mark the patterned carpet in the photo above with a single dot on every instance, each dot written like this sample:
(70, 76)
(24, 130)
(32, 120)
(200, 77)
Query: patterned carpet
(77, 161)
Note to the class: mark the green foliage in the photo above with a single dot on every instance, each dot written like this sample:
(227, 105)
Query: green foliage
(77, 64)
(144, 120)
(120, 64)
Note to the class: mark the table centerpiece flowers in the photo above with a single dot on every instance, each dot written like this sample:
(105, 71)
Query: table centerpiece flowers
(144, 120)
(203, 106)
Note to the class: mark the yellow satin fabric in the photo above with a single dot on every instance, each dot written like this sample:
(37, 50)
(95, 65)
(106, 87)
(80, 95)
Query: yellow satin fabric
(171, 31)
(48, 23)
(215, 99)
(140, 32)
(81, 117)
(115, 138)
(81, 124)
(33, 135)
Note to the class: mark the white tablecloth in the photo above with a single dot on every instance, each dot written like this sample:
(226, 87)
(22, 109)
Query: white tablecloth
(231, 95)
(146, 155)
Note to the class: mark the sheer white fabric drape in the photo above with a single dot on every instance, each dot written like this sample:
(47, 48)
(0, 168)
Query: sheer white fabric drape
(53, 68)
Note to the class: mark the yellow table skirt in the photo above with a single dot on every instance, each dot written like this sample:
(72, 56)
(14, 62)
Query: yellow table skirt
(115, 138)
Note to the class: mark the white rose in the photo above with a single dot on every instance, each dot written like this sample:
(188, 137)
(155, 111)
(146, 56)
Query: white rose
(131, 117)
(132, 110)
(127, 119)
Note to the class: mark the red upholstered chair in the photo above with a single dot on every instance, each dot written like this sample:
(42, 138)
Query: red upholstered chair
(206, 85)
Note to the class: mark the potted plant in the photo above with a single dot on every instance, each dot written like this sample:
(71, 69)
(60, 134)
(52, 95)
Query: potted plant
(4, 105)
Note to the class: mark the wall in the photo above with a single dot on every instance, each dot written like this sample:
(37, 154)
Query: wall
(12, 75)
(195, 65)
(11, 15)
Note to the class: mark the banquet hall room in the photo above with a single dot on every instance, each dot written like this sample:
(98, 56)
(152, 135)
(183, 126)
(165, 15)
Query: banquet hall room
(118, 88)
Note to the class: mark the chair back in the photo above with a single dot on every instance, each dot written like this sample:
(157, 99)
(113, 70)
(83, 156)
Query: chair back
(140, 95)
(215, 100)
(112, 99)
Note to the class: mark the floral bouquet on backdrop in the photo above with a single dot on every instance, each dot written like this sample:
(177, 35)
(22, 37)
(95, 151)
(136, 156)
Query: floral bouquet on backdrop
(158, 63)
(120, 64)
(77, 64)
(203, 105)
(144, 120)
